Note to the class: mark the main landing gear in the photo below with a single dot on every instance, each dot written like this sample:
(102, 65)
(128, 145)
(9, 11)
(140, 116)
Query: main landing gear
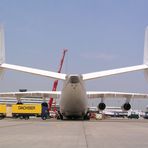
(59, 115)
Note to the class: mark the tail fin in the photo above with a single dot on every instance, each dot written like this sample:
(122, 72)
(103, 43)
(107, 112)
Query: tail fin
(2, 47)
(146, 53)
(146, 47)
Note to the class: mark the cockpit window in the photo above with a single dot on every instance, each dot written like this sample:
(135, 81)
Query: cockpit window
(74, 79)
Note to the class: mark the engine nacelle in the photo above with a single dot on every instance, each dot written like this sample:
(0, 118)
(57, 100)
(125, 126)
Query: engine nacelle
(126, 106)
(101, 106)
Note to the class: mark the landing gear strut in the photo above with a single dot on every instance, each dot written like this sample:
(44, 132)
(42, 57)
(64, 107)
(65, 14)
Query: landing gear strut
(59, 115)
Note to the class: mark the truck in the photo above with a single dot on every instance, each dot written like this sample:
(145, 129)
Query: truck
(24, 111)
(133, 115)
(2, 111)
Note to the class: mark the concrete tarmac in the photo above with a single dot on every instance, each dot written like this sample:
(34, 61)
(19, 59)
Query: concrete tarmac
(111, 133)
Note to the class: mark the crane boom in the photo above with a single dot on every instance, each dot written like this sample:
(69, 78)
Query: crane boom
(55, 84)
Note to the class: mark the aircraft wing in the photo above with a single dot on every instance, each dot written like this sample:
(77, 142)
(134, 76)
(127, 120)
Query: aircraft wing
(31, 94)
(105, 73)
(99, 94)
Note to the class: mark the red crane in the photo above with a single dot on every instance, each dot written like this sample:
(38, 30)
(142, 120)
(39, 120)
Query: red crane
(56, 81)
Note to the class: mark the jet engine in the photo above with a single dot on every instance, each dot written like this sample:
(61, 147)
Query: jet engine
(101, 106)
(126, 106)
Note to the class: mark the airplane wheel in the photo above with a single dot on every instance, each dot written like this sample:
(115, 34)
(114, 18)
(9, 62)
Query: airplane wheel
(59, 116)
(87, 116)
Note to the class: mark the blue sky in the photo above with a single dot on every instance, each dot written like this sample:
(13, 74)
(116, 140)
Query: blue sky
(99, 34)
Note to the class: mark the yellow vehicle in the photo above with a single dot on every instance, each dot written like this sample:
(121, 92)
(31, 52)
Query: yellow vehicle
(2, 111)
(24, 111)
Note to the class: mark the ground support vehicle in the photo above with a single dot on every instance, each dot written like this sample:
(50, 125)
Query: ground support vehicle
(24, 111)
(133, 116)
(2, 111)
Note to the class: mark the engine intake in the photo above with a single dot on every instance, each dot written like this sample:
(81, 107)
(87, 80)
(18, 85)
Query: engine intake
(126, 106)
(101, 106)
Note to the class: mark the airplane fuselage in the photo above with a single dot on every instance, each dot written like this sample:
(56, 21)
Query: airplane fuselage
(73, 101)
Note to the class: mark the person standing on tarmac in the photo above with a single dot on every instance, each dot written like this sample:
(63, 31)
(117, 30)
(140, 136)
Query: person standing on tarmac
(45, 113)
(19, 102)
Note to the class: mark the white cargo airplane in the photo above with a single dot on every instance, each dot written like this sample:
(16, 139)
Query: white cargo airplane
(73, 97)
